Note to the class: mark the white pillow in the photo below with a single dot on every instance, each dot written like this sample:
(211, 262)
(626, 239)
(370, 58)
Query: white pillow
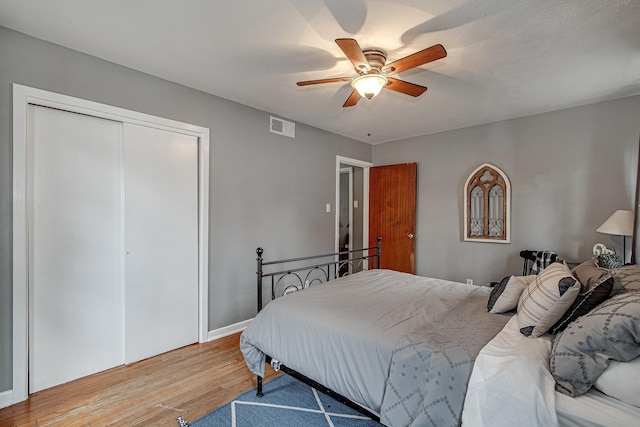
(509, 294)
(620, 380)
(546, 299)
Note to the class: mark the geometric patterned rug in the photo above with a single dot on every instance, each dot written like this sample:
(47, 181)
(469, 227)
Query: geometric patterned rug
(286, 402)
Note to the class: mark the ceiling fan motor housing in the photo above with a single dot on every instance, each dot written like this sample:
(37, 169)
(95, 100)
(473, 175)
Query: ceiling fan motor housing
(376, 58)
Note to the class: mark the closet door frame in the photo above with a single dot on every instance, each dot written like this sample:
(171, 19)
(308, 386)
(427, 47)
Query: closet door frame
(23, 96)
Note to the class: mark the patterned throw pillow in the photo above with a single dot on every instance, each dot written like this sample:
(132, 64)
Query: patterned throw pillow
(580, 354)
(626, 279)
(595, 286)
(546, 299)
(609, 261)
(506, 294)
(590, 275)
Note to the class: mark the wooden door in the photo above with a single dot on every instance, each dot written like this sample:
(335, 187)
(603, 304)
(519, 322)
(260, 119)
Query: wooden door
(392, 214)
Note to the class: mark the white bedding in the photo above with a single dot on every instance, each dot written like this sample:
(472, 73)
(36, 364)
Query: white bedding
(595, 409)
(511, 385)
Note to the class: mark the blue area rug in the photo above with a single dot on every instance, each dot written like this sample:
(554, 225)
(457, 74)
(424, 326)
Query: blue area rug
(286, 402)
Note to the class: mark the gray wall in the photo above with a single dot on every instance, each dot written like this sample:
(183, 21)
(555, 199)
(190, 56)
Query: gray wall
(569, 170)
(266, 189)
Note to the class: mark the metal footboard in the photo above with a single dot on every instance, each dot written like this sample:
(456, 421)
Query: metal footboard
(294, 274)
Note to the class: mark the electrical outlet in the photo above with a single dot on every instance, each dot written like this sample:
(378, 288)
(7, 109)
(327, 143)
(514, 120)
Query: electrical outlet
(469, 281)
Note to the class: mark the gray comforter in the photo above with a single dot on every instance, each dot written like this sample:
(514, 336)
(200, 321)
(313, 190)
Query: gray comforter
(398, 344)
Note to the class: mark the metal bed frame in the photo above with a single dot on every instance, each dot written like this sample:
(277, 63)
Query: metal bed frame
(303, 272)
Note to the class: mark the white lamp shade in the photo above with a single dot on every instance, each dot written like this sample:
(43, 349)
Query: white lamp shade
(369, 85)
(620, 224)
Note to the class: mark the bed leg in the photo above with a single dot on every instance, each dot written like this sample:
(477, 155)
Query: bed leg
(259, 392)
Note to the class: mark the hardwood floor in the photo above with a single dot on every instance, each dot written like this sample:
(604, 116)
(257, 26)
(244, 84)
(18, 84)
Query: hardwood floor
(188, 383)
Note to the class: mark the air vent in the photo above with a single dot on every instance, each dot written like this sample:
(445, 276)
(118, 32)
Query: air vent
(283, 127)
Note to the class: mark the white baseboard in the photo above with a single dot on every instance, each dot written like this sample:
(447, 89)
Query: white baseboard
(228, 330)
(6, 398)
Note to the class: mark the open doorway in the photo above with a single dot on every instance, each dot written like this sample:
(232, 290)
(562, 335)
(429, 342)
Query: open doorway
(352, 208)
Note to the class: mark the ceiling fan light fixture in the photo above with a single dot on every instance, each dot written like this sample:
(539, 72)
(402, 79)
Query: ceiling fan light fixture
(369, 85)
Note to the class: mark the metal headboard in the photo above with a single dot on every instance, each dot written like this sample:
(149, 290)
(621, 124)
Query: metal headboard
(306, 271)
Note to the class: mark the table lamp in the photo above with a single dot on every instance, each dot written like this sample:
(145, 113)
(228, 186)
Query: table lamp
(619, 224)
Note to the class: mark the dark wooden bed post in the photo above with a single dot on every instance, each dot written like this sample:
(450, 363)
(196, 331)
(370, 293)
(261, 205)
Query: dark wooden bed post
(259, 251)
(379, 254)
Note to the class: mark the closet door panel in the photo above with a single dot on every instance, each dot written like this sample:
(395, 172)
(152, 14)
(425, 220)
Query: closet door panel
(75, 296)
(161, 241)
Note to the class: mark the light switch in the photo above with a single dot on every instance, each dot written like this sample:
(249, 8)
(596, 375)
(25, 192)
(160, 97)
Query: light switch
(355, 204)
(328, 207)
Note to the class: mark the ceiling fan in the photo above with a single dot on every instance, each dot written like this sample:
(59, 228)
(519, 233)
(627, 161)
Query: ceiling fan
(374, 73)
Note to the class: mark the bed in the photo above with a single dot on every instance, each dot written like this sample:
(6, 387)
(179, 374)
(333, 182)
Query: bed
(411, 350)
(377, 327)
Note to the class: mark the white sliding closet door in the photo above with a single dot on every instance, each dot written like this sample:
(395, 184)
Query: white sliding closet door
(75, 325)
(161, 241)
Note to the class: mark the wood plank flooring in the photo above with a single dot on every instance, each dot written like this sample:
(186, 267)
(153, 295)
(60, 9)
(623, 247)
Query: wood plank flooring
(188, 382)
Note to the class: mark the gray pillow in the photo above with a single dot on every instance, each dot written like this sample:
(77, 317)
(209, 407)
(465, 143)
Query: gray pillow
(595, 286)
(590, 275)
(581, 353)
(626, 279)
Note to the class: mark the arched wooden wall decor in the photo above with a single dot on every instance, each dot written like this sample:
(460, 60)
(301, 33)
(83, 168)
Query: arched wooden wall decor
(487, 205)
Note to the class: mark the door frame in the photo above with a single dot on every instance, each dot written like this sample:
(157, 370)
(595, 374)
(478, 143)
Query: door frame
(23, 96)
(348, 171)
(340, 160)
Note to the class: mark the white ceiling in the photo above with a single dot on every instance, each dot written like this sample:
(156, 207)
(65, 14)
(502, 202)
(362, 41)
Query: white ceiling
(506, 58)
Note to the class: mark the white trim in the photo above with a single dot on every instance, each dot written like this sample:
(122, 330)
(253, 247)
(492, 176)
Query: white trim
(6, 398)
(508, 213)
(228, 330)
(349, 171)
(23, 96)
(365, 202)
(350, 244)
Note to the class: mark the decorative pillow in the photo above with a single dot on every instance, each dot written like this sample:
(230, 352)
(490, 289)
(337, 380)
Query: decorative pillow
(595, 287)
(506, 294)
(581, 352)
(626, 279)
(546, 299)
(590, 275)
(609, 261)
(619, 380)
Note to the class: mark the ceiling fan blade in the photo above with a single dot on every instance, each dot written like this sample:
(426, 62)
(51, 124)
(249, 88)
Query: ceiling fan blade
(354, 53)
(419, 58)
(405, 87)
(353, 99)
(317, 82)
